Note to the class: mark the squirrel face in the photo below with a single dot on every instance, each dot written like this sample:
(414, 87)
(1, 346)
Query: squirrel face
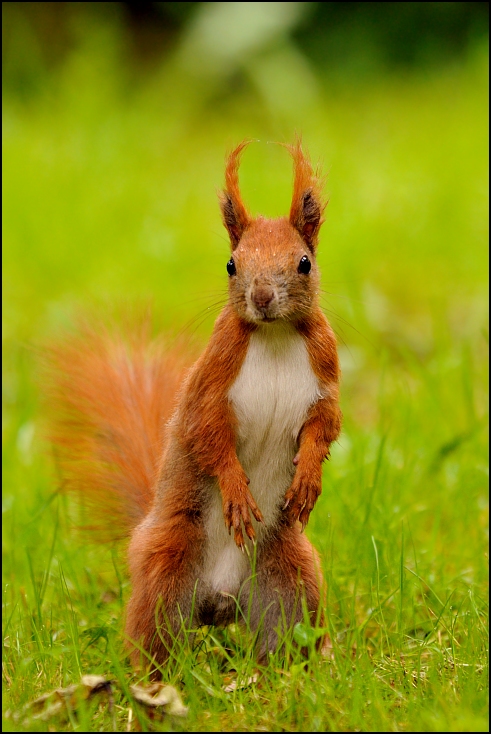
(273, 272)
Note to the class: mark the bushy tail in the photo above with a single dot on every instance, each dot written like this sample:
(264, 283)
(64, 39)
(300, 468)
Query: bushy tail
(109, 396)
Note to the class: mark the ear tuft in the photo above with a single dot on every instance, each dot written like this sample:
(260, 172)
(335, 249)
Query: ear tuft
(234, 214)
(307, 201)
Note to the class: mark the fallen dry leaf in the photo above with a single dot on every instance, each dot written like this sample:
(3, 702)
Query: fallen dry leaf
(159, 695)
(56, 703)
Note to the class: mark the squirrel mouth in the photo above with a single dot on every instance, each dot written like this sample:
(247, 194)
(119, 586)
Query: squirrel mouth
(261, 316)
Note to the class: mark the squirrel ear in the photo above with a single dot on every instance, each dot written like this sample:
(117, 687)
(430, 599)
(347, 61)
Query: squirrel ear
(307, 202)
(235, 216)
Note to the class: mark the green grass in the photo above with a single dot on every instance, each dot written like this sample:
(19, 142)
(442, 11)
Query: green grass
(110, 182)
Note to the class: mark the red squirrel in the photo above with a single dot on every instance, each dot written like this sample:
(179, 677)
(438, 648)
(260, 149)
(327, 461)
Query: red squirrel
(198, 465)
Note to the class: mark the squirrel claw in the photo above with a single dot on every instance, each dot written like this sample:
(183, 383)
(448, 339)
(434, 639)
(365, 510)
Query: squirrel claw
(257, 514)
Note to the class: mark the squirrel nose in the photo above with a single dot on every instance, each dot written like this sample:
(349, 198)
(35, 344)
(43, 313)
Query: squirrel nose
(262, 296)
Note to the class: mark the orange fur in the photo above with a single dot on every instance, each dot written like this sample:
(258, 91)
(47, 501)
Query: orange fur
(112, 399)
(109, 396)
(235, 216)
(323, 423)
(307, 187)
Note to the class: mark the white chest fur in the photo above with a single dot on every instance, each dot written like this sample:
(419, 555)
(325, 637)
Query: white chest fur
(271, 397)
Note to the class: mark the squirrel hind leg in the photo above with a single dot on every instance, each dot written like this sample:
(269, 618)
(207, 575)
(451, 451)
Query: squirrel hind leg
(289, 582)
(164, 563)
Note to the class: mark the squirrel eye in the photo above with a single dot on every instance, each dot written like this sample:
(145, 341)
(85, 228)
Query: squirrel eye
(231, 269)
(304, 265)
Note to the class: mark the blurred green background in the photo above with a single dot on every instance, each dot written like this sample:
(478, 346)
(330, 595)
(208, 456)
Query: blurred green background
(117, 117)
(116, 121)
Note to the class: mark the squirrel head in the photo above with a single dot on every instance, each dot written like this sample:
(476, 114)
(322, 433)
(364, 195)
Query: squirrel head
(273, 272)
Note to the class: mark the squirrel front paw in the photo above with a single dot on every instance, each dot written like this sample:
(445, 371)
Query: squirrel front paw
(236, 507)
(302, 495)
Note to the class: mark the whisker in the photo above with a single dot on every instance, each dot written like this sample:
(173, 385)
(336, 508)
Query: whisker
(342, 295)
(211, 294)
(221, 236)
(201, 317)
(335, 315)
